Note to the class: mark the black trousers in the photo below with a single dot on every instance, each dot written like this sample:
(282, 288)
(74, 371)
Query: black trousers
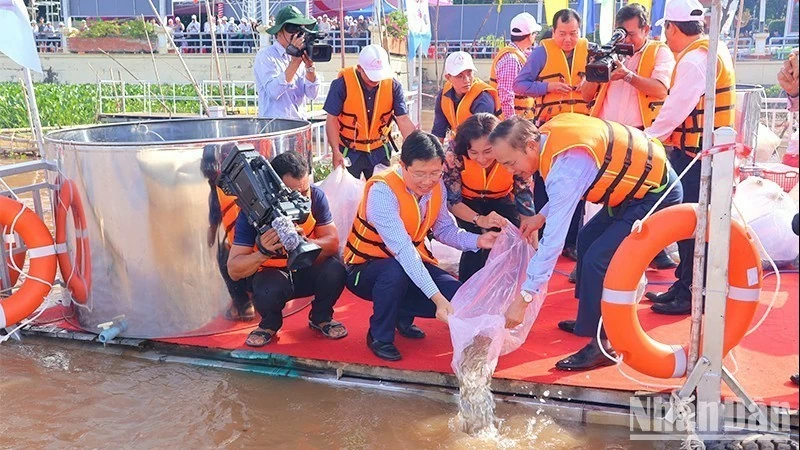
(597, 243)
(540, 199)
(272, 288)
(691, 194)
(363, 162)
(395, 298)
(238, 290)
(472, 262)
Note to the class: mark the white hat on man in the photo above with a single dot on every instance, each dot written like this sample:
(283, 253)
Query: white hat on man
(374, 60)
(524, 24)
(682, 11)
(458, 62)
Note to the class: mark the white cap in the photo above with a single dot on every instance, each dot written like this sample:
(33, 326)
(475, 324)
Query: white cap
(194, 16)
(683, 11)
(458, 62)
(374, 61)
(524, 24)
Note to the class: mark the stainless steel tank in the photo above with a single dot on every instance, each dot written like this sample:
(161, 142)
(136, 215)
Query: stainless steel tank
(146, 202)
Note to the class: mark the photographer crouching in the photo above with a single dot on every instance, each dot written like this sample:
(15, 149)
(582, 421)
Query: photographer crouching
(283, 81)
(272, 283)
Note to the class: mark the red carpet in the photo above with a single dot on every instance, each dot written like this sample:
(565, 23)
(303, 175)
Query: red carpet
(765, 359)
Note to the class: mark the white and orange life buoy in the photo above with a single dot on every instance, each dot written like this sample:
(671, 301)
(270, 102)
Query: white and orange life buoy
(15, 217)
(77, 276)
(675, 223)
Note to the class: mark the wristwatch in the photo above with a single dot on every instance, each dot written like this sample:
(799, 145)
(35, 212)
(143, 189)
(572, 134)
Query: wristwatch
(629, 77)
(311, 69)
(526, 296)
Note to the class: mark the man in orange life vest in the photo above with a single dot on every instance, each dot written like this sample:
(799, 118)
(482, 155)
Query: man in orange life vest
(271, 283)
(508, 63)
(552, 76)
(641, 79)
(388, 260)
(361, 104)
(680, 124)
(603, 162)
(462, 95)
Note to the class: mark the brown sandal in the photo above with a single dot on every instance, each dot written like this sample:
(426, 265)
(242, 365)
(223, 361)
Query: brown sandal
(330, 329)
(259, 338)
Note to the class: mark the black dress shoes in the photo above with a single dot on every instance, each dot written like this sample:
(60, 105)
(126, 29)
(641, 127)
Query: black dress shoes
(573, 276)
(570, 252)
(587, 358)
(410, 331)
(383, 350)
(567, 325)
(662, 261)
(795, 379)
(677, 307)
(663, 297)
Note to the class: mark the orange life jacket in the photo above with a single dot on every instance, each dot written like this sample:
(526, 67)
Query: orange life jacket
(523, 106)
(556, 69)
(476, 183)
(230, 211)
(649, 107)
(357, 131)
(364, 242)
(280, 261)
(456, 115)
(630, 163)
(688, 135)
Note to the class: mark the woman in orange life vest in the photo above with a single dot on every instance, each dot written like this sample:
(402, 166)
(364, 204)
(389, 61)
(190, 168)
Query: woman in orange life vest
(223, 211)
(481, 193)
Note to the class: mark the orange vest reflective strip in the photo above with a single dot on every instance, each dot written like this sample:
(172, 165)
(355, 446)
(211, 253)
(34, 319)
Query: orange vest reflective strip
(230, 211)
(649, 107)
(556, 69)
(523, 106)
(688, 135)
(365, 244)
(279, 261)
(357, 131)
(456, 115)
(476, 183)
(630, 164)
(620, 297)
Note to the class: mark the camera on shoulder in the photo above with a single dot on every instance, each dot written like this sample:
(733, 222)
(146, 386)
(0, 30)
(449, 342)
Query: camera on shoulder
(312, 48)
(602, 57)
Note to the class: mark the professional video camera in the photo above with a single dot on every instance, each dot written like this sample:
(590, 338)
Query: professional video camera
(317, 52)
(602, 57)
(268, 203)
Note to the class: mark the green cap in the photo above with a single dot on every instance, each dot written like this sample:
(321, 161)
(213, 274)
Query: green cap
(289, 14)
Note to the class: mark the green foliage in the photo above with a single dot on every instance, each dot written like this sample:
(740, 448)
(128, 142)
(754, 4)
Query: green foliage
(321, 170)
(59, 105)
(134, 29)
(496, 42)
(773, 91)
(776, 25)
(396, 24)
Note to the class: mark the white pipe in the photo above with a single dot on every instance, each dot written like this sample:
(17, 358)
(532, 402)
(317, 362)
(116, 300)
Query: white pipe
(36, 124)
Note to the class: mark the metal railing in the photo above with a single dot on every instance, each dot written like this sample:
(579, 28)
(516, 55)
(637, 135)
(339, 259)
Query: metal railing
(241, 98)
(226, 42)
(776, 116)
(49, 42)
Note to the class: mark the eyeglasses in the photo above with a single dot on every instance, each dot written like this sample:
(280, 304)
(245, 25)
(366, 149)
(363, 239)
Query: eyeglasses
(421, 176)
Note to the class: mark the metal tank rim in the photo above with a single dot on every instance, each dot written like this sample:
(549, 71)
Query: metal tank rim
(53, 136)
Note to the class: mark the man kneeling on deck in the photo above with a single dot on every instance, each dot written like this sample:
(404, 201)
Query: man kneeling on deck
(272, 283)
(388, 261)
(604, 162)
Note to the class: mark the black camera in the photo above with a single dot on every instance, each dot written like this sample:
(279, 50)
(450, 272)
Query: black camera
(268, 203)
(316, 51)
(603, 57)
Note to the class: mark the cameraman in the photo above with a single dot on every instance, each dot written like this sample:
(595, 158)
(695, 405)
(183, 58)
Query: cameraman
(272, 284)
(284, 82)
(641, 79)
(361, 104)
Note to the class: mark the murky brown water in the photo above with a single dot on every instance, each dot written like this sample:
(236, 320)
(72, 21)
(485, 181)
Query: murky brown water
(57, 394)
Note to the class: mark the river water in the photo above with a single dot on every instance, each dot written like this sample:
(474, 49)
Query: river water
(57, 394)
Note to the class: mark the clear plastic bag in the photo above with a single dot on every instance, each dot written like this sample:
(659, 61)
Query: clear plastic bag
(344, 194)
(480, 306)
(768, 210)
(448, 257)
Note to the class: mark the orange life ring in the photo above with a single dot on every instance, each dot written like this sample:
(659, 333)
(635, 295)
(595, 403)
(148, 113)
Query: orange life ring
(621, 323)
(78, 277)
(19, 261)
(14, 216)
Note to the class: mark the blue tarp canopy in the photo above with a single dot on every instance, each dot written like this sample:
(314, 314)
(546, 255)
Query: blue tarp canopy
(368, 11)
